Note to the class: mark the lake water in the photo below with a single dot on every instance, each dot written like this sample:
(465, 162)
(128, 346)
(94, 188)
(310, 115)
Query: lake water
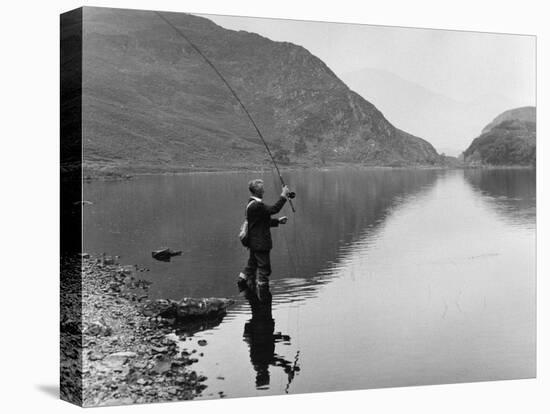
(381, 277)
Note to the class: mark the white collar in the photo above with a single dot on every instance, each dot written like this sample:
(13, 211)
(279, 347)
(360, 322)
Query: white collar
(256, 198)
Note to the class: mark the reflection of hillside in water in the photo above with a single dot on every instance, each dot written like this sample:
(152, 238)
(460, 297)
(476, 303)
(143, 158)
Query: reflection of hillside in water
(198, 213)
(347, 222)
(510, 192)
(336, 207)
(349, 219)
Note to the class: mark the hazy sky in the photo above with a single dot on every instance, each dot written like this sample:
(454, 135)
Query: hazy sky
(462, 65)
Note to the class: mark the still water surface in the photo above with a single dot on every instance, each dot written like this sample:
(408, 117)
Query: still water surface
(381, 278)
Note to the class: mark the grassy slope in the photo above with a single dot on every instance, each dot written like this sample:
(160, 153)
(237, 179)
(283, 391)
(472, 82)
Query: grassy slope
(152, 105)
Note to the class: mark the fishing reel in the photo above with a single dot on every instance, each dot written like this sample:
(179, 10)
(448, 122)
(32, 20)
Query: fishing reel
(291, 195)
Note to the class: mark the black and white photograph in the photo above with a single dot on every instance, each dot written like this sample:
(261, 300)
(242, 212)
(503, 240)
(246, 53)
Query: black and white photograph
(254, 206)
(277, 206)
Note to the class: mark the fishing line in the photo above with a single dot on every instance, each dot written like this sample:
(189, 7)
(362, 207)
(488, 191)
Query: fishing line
(178, 31)
(243, 107)
(287, 245)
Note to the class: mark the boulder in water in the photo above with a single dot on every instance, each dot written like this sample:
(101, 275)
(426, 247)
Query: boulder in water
(165, 255)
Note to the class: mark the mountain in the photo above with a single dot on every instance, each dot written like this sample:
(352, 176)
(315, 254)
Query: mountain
(510, 139)
(524, 114)
(152, 104)
(445, 122)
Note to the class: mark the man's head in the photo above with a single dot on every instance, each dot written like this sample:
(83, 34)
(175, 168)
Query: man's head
(256, 187)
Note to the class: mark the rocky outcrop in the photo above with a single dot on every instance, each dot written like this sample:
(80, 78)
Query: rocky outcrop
(509, 140)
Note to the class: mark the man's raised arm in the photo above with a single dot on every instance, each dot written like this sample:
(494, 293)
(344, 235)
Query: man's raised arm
(275, 208)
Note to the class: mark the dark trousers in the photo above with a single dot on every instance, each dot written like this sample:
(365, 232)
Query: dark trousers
(260, 261)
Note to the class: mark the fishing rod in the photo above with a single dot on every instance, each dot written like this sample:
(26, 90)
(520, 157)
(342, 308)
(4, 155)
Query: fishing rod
(295, 368)
(292, 194)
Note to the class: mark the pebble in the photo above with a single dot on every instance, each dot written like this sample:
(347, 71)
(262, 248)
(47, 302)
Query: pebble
(159, 349)
(94, 356)
(123, 354)
(162, 366)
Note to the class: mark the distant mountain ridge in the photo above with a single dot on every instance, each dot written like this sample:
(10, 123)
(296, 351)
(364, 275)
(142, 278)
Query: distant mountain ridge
(509, 140)
(152, 104)
(445, 122)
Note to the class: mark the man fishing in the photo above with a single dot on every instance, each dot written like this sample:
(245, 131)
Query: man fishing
(258, 214)
(259, 219)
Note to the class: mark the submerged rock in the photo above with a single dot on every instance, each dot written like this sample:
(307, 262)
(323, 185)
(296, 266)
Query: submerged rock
(165, 255)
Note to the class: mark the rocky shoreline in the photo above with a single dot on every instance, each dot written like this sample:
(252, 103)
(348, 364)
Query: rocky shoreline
(128, 357)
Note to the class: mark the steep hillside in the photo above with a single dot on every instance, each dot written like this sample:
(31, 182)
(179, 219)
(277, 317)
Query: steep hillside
(151, 103)
(509, 140)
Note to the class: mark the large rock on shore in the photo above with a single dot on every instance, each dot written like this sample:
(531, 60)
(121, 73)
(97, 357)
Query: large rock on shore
(188, 308)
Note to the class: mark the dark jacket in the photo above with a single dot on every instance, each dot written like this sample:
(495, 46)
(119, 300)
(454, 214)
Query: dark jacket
(259, 223)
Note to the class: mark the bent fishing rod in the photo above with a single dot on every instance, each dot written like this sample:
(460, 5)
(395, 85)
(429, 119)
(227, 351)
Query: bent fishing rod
(209, 62)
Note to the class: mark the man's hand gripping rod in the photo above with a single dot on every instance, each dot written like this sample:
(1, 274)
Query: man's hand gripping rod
(289, 195)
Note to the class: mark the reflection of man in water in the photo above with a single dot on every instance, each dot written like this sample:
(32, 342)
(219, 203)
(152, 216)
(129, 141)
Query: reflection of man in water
(259, 219)
(258, 333)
